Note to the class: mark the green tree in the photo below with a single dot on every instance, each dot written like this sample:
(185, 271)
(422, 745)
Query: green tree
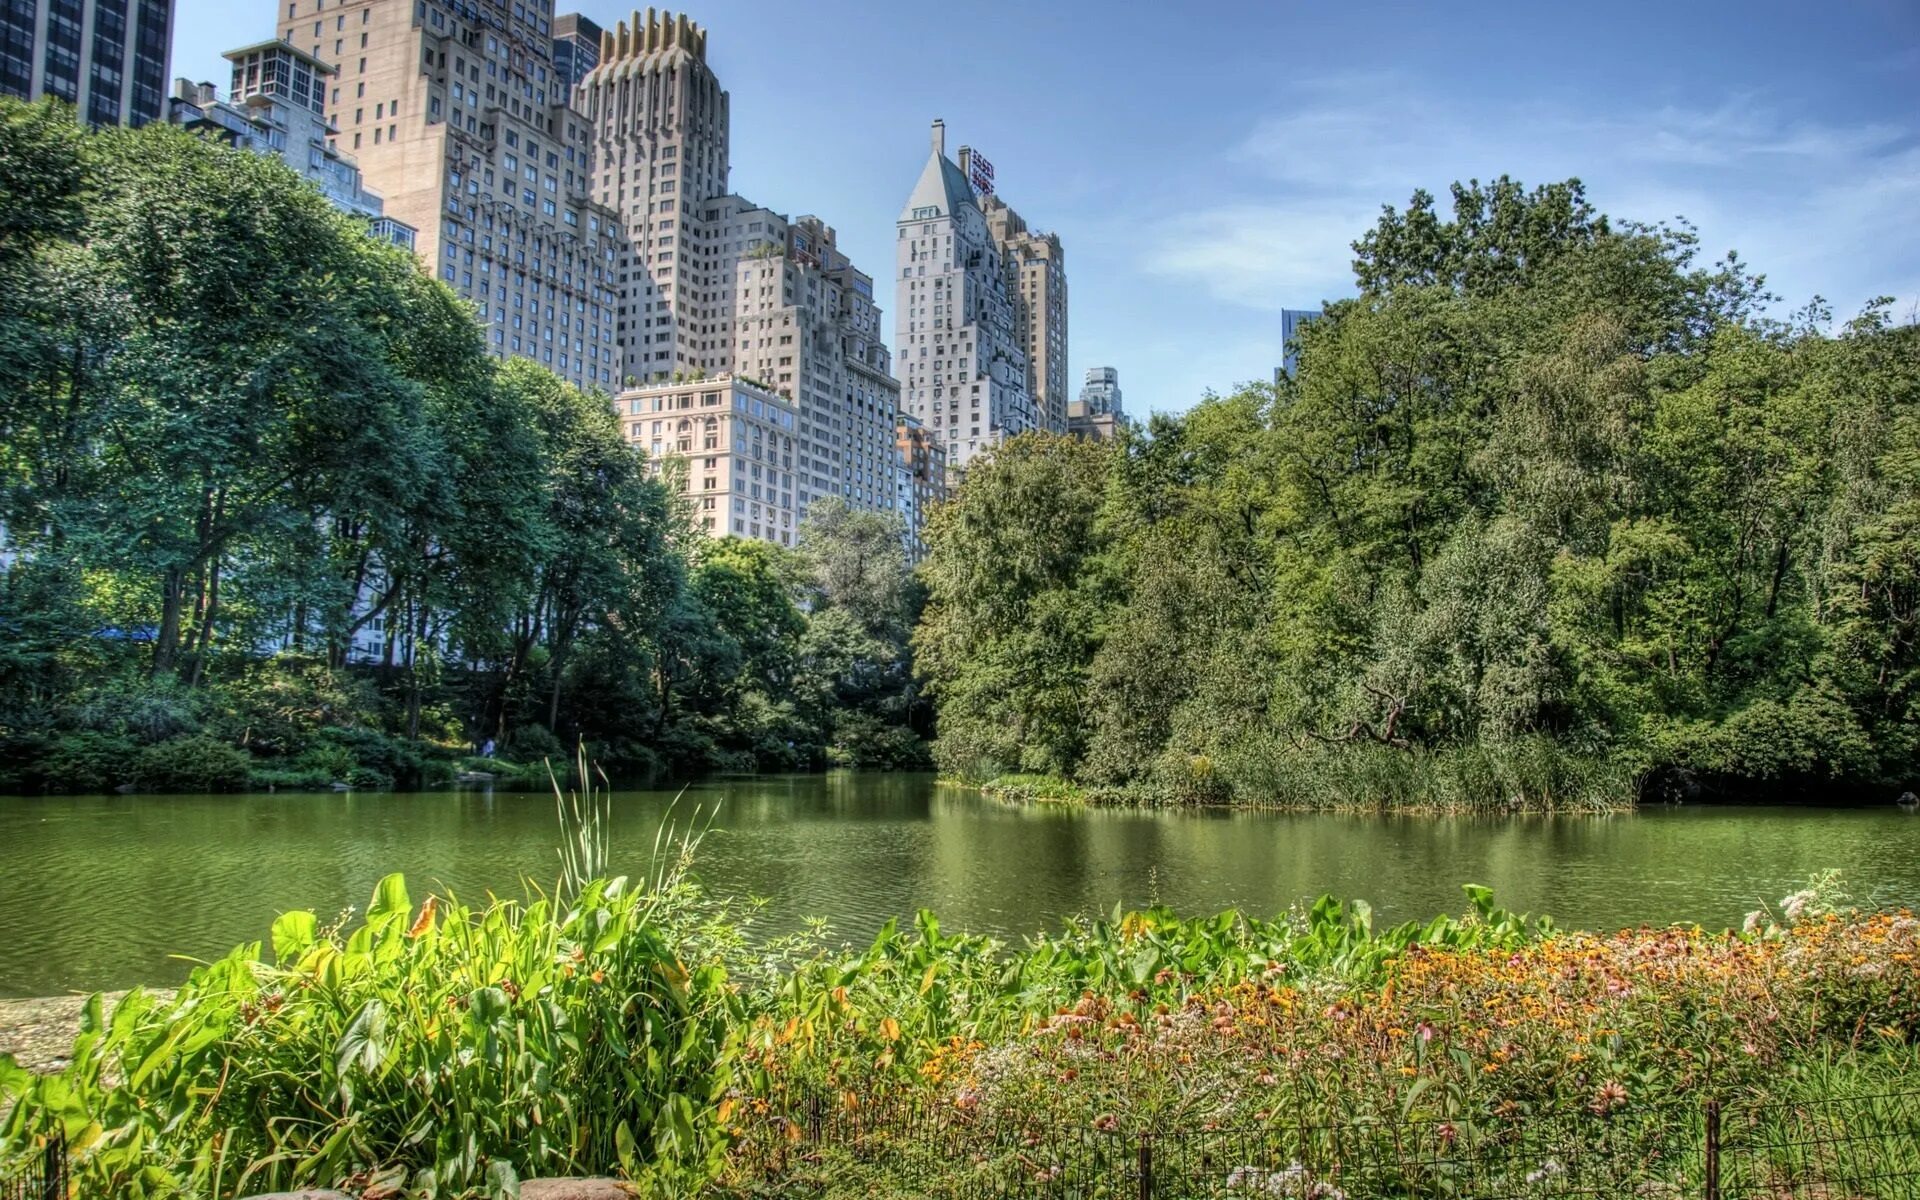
(1011, 620)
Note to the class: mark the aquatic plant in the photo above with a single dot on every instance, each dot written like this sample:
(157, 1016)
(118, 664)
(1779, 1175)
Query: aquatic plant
(445, 1050)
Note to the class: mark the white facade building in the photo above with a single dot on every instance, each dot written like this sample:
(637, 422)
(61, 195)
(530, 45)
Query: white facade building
(962, 365)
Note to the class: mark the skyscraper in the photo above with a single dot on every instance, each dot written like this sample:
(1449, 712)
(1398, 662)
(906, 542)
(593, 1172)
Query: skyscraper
(457, 117)
(576, 47)
(720, 289)
(656, 122)
(1101, 395)
(1037, 280)
(1097, 414)
(963, 362)
(107, 58)
(1291, 319)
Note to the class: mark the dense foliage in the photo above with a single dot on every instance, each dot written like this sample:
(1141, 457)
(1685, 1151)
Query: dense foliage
(448, 1053)
(1547, 517)
(639, 1030)
(270, 514)
(1317, 1057)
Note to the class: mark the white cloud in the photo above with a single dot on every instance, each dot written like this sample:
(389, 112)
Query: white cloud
(1818, 207)
(1267, 256)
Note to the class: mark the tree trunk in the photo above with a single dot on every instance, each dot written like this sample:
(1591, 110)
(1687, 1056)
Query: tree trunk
(167, 642)
(413, 676)
(205, 638)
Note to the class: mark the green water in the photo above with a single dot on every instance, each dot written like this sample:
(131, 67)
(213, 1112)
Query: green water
(101, 892)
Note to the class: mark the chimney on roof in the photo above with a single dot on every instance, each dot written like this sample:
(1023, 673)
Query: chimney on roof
(939, 136)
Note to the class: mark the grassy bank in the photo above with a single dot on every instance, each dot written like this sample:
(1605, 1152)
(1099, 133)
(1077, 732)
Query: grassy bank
(636, 1028)
(1522, 775)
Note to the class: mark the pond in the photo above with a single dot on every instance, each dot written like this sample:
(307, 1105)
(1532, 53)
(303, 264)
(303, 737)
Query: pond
(102, 891)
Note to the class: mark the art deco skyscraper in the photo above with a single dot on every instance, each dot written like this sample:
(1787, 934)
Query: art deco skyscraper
(961, 353)
(656, 122)
(456, 116)
(720, 289)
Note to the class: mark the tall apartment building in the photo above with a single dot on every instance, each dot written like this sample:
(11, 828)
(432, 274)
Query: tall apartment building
(277, 106)
(458, 118)
(576, 47)
(923, 480)
(962, 354)
(1097, 415)
(656, 122)
(1037, 279)
(107, 58)
(718, 288)
(1101, 394)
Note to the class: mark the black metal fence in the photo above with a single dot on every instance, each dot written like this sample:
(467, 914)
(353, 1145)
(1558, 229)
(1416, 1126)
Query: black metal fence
(44, 1176)
(1857, 1148)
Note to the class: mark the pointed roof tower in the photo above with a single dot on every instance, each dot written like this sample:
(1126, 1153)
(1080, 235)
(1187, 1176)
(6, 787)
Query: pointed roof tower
(942, 186)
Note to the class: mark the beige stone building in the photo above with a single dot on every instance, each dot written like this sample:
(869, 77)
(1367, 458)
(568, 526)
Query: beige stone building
(456, 116)
(717, 285)
(1037, 280)
(729, 444)
(593, 228)
(923, 480)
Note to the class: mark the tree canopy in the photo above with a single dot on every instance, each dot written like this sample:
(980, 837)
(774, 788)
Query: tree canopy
(1545, 484)
(263, 490)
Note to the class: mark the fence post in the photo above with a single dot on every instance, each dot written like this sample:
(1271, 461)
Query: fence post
(1713, 1149)
(1146, 1167)
(53, 1176)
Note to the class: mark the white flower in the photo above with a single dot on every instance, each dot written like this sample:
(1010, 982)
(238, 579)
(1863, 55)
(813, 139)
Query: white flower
(1752, 924)
(1795, 905)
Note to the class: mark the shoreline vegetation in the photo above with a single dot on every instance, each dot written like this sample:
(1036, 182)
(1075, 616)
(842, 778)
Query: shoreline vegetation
(274, 516)
(1550, 517)
(453, 1051)
(1535, 777)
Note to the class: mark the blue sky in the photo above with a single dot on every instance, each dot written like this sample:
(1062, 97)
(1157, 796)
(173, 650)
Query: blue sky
(1208, 164)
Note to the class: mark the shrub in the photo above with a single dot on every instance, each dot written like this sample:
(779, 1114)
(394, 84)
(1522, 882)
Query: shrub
(368, 779)
(435, 772)
(192, 764)
(863, 740)
(370, 750)
(21, 756)
(1532, 773)
(88, 762)
(146, 710)
(284, 779)
(327, 759)
(531, 743)
(1045, 788)
(278, 705)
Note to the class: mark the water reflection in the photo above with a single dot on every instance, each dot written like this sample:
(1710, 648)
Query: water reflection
(99, 891)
